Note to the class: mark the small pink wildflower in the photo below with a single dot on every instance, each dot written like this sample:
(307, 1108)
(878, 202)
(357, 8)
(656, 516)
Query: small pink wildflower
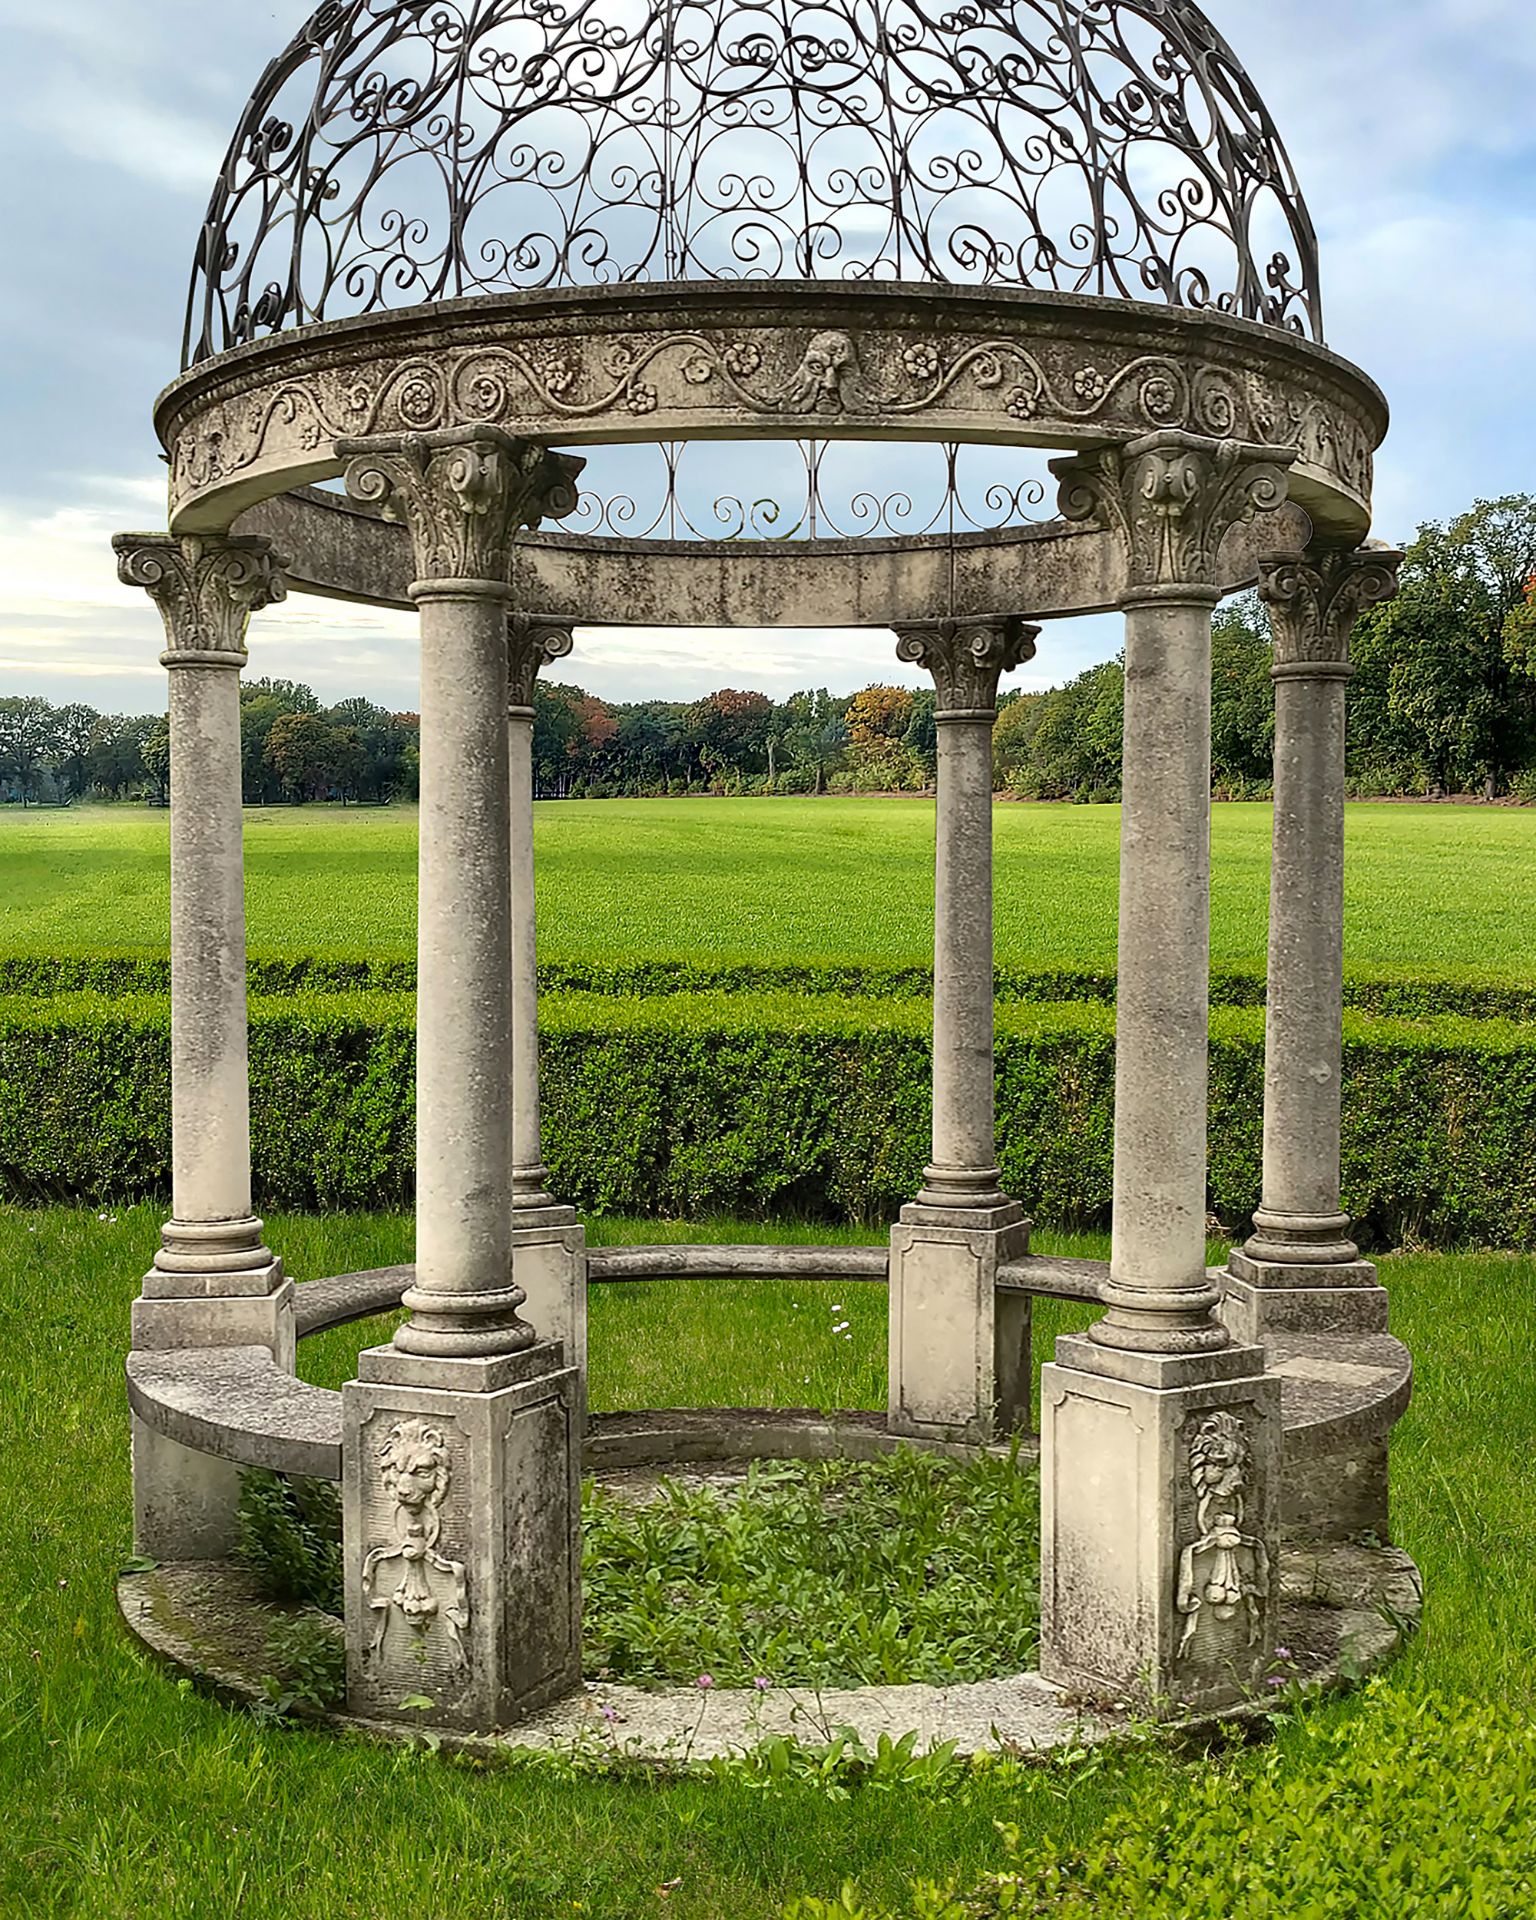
(705, 1681)
(762, 1683)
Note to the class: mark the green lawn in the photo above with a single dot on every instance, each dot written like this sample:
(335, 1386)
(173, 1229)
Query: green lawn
(1431, 889)
(127, 1795)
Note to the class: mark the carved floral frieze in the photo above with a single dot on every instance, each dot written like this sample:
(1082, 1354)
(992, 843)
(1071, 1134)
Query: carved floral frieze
(576, 384)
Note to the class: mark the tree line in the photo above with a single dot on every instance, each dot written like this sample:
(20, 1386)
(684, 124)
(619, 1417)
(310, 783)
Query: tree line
(1443, 701)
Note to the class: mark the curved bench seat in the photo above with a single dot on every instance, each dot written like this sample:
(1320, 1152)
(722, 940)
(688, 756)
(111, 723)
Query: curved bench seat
(319, 1305)
(237, 1404)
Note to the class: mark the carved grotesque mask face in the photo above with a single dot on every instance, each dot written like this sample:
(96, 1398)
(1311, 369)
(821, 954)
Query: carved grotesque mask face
(826, 358)
(416, 1481)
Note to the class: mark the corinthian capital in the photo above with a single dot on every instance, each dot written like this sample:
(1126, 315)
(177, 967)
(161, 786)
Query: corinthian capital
(967, 658)
(1173, 497)
(206, 588)
(1315, 598)
(464, 494)
(532, 645)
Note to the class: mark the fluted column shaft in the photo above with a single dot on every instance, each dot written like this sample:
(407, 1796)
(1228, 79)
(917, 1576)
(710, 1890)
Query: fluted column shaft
(463, 495)
(1314, 600)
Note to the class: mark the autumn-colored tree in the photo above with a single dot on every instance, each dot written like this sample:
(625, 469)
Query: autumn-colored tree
(878, 719)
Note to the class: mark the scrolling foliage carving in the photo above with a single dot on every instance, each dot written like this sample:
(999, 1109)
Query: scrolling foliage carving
(967, 659)
(1315, 598)
(206, 589)
(401, 152)
(1173, 497)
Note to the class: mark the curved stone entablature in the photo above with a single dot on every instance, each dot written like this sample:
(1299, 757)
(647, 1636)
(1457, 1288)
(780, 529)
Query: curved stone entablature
(780, 361)
(342, 550)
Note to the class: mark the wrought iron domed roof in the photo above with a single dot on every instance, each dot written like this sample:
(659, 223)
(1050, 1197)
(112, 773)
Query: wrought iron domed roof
(407, 151)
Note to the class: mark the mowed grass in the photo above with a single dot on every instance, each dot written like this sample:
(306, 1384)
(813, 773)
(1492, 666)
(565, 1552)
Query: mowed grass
(128, 1795)
(1431, 890)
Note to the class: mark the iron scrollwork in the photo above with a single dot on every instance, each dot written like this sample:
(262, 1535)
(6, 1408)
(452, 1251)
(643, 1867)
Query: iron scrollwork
(401, 152)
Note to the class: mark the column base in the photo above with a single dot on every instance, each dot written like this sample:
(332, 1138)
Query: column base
(1160, 1525)
(239, 1320)
(461, 1507)
(1261, 1298)
(959, 1356)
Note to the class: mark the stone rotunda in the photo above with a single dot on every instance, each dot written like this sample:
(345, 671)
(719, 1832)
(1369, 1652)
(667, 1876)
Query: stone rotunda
(467, 261)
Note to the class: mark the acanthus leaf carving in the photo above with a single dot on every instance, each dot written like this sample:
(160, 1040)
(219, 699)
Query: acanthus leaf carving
(463, 494)
(206, 588)
(532, 645)
(1315, 598)
(1173, 497)
(967, 658)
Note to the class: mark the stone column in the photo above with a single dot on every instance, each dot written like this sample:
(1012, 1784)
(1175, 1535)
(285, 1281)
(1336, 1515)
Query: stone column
(959, 1357)
(214, 1283)
(1160, 1436)
(550, 1245)
(460, 1443)
(1300, 1272)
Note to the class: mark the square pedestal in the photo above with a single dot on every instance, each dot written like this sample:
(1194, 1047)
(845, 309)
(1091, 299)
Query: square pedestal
(549, 1262)
(1160, 1525)
(959, 1353)
(461, 1516)
(1261, 1298)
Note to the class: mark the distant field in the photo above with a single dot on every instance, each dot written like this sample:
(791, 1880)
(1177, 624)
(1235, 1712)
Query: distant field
(1431, 889)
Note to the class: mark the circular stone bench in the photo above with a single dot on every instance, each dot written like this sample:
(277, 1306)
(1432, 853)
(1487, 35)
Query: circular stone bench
(1341, 1394)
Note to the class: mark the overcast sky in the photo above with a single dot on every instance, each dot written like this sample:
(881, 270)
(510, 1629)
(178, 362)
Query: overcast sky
(1412, 124)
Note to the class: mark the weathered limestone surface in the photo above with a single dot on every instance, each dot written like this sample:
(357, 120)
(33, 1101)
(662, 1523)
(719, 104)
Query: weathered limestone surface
(1300, 1270)
(214, 1282)
(549, 1244)
(461, 1441)
(461, 1514)
(959, 1358)
(1160, 1437)
(343, 549)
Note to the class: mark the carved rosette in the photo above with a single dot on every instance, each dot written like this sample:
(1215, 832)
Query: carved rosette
(532, 645)
(206, 589)
(967, 659)
(1173, 497)
(1315, 598)
(464, 495)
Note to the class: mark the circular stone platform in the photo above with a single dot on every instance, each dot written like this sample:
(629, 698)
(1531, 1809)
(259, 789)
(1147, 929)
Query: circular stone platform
(1346, 1611)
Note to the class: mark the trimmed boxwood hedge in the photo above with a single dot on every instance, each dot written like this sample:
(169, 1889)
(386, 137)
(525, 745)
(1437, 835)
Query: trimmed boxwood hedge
(695, 1104)
(1407, 996)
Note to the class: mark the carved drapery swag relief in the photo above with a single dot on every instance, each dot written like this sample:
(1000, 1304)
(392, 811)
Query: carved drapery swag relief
(410, 1580)
(1315, 598)
(1226, 1569)
(967, 659)
(1173, 498)
(463, 495)
(206, 590)
(532, 645)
